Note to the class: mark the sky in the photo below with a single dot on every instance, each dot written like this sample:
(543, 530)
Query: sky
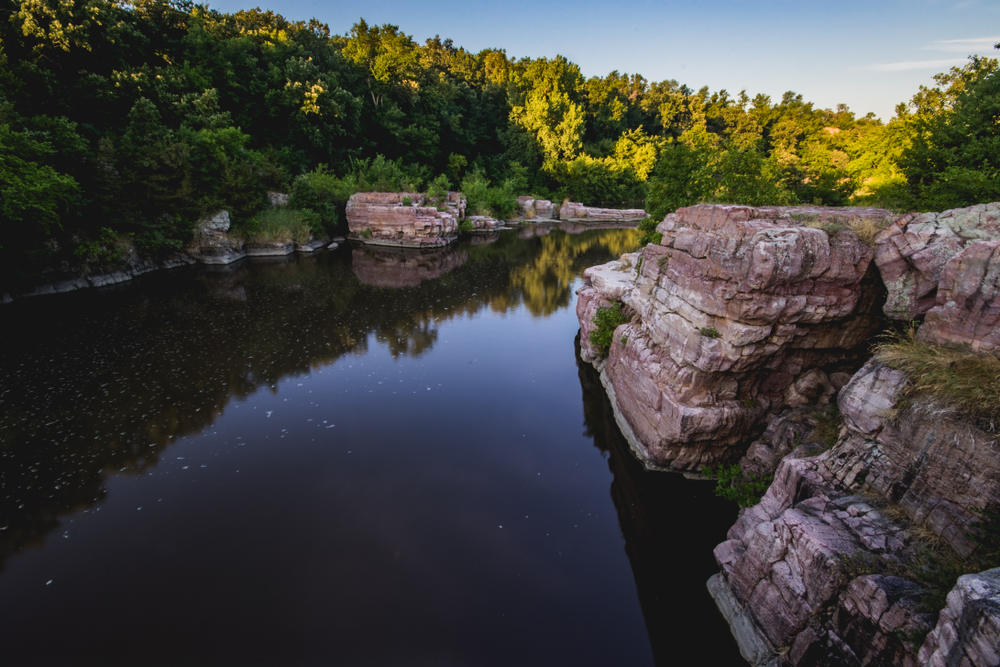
(868, 54)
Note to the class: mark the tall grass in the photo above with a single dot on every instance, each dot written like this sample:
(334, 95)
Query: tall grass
(956, 378)
(277, 225)
(864, 228)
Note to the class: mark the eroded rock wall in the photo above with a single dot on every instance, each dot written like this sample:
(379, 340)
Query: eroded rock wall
(734, 306)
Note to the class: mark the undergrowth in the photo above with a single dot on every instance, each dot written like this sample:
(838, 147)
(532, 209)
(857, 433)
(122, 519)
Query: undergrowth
(649, 233)
(606, 320)
(956, 378)
(732, 483)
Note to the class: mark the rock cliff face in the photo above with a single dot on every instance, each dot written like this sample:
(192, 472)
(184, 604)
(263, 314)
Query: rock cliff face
(381, 218)
(930, 468)
(738, 312)
(745, 316)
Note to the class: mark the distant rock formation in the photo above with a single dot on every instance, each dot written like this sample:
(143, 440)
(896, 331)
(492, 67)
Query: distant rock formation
(404, 219)
(577, 211)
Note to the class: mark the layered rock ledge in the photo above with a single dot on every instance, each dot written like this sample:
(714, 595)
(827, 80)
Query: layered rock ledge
(576, 211)
(905, 478)
(404, 219)
(738, 312)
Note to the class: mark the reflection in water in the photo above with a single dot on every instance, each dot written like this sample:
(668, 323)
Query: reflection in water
(99, 384)
(668, 539)
(381, 266)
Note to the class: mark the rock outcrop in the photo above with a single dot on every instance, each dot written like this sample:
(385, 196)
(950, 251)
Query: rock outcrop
(482, 224)
(396, 267)
(931, 469)
(577, 211)
(913, 252)
(382, 218)
(738, 312)
(536, 209)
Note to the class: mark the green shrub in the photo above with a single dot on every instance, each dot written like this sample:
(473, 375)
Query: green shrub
(366, 233)
(710, 332)
(483, 199)
(320, 192)
(465, 226)
(733, 484)
(406, 201)
(606, 320)
(649, 233)
(957, 378)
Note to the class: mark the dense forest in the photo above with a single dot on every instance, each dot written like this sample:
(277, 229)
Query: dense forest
(123, 123)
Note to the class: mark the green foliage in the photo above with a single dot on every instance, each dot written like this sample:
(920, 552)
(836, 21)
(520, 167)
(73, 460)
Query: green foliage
(482, 199)
(465, 227)
(321, 192)
(710, 332)
(828, 423)
(649, 234)
(366, 233)
(406, 200)
(954, 377)
(733, 484)
(606, 320)
(951, 160)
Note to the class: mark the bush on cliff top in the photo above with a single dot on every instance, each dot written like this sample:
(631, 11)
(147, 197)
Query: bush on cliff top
(957, 378)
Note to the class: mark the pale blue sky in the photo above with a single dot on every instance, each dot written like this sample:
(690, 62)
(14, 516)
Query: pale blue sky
(869, 54)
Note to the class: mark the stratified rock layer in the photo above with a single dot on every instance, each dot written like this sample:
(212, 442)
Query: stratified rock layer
(737, 312)
(382, 218)
(577, 211)
(968, 631)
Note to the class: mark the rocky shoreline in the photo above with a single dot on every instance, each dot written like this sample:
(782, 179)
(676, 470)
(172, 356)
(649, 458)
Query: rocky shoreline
(744, 323)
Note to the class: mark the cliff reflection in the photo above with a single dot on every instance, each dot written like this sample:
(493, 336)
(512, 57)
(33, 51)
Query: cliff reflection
(667, 539)
(95, 384)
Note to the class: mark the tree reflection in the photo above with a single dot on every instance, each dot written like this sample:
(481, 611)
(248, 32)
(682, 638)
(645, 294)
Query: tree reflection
(93, 384)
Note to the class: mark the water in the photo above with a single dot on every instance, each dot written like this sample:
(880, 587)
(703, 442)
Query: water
(368, 457)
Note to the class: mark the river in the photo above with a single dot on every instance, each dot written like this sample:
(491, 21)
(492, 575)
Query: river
(364, 457)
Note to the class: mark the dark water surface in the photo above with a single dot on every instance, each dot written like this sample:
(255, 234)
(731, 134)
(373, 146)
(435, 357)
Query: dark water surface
(368, 457)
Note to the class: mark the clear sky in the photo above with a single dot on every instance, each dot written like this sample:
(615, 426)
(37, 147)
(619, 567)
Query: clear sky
(868, 54)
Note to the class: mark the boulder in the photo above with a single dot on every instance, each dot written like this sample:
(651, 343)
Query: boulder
(216, 223)
(577, 211)
(935, 467)
(967, 306)
(381, 218)
(912, 253)
(482, 224)
(738, 312)
(531, 208)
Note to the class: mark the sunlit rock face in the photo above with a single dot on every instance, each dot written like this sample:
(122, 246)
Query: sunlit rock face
(536, 209)
(404, 219)
(738, 312)
(483, 224)
(577, 211)
(913, 252)
(398, 267)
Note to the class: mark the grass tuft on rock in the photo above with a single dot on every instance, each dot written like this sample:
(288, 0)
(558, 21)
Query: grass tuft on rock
(954, 377)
